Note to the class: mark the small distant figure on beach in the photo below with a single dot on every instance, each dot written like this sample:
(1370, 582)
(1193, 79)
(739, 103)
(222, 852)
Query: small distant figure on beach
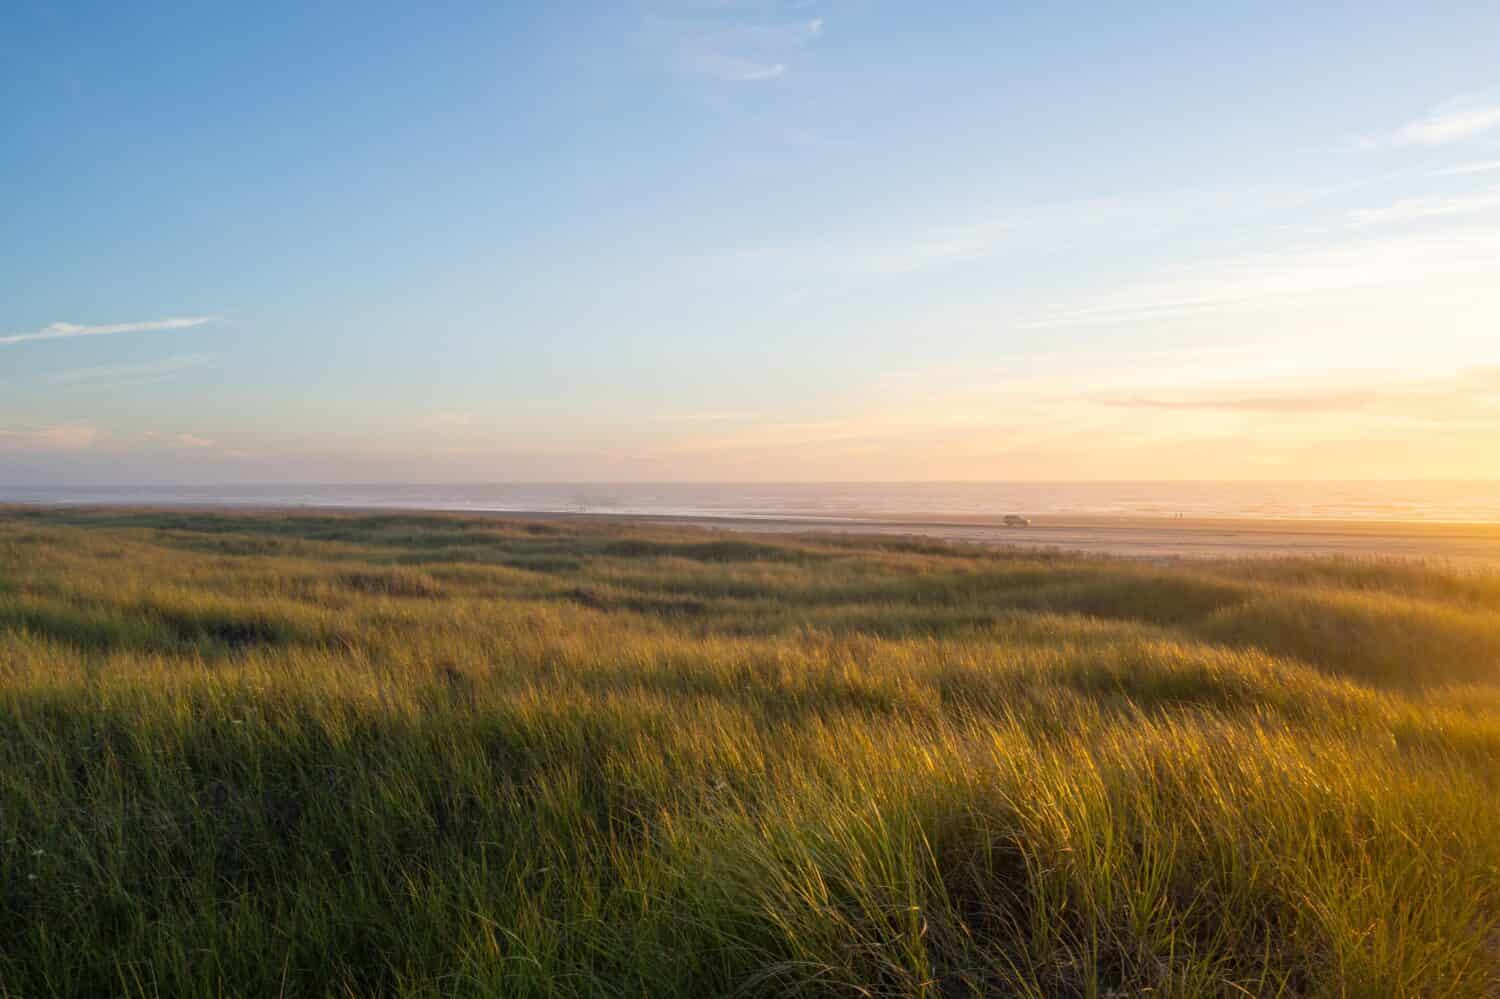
(1015, 520)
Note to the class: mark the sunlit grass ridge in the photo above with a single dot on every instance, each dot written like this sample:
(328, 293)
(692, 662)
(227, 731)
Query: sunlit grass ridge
(409, 755)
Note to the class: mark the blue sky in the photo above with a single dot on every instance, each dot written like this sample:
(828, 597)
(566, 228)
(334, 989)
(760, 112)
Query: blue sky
(732, 240)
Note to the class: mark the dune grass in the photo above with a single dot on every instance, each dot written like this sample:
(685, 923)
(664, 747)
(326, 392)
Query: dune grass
(437, 756)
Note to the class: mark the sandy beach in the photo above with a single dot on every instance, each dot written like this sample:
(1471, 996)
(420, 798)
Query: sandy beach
(1146, 537)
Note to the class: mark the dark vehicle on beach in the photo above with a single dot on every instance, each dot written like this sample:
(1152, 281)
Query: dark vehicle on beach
(1015, 520)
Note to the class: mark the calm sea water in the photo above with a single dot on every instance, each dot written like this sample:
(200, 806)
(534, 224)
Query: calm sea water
(1468, 502)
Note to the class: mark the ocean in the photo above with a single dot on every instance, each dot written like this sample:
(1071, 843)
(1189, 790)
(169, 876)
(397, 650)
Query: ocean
(1430, 502)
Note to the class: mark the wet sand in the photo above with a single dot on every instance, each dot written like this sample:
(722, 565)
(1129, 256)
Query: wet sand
(1146, 537)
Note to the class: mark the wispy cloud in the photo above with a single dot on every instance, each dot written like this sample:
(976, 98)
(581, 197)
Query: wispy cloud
(1279, 276)
(733, 69)
(891, 251)
(130, 374)
(940, 248)
(731, 51)
(56, 437)
(1465, 395)
(64, 331)
(1416, 209)
(453, 418)
(882, 255)
(192, 442)
(1447, 123)
(1464, 169)
(1283, 402)
(719, 416)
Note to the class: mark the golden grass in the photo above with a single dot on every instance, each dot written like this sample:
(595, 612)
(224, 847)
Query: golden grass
(438, 756)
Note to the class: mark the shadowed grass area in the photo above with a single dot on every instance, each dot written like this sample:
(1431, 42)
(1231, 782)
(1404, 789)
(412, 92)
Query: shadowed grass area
(443, 756)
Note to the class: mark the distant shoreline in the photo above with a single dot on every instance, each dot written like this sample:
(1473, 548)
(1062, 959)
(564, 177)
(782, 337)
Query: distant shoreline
(1139, 536)
(922, 504)
(1126, 535)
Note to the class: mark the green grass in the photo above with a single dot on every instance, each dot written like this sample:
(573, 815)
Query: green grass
(433, 756)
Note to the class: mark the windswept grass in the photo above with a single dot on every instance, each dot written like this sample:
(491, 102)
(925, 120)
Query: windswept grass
(438, 756)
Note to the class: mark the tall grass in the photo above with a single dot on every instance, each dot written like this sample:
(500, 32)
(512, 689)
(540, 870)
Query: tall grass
(437, 756)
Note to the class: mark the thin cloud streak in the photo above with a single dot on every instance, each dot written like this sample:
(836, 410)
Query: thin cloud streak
(1416, 209)
(1271, 403)
(1465, 169)
(733, 70)
(1446, 124)
(1462, 396)
(130, 374)
(1261, 279)
(925, 250)
(65, 331)
(1011, 227)
(57, 437)
(731, 52)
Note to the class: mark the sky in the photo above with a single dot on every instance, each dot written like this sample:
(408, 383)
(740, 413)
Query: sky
(748, 241)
